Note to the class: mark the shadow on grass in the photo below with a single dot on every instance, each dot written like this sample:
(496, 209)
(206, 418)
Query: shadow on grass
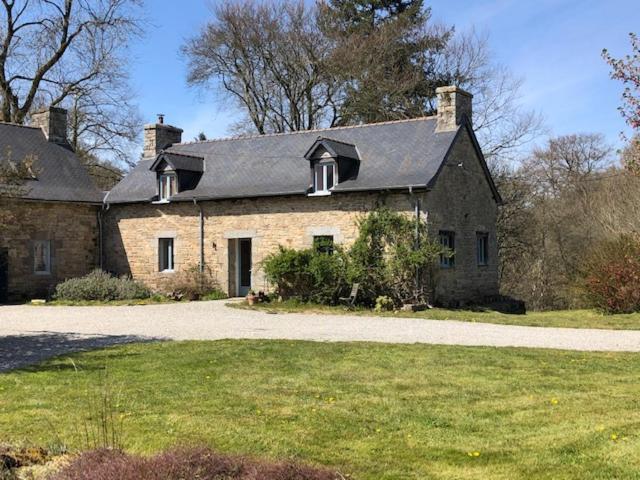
(20, 351)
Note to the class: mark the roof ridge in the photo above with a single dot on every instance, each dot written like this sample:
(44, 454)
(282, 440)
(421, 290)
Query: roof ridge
(337, 141)
(327, 129)
(13, 124)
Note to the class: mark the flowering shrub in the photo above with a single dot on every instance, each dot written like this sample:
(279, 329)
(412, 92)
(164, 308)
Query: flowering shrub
(194, 463)
(192, 284)
(612, 276)
(101, 286)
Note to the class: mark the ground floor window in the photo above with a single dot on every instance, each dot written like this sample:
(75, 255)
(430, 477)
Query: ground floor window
(323, 243)
(42, 257)
(166, 254)
(482, 248)
(448, 240)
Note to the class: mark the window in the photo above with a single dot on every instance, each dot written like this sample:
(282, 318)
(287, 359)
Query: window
(482, 248)
(323, 244)
(42, 257)
(324, 177)
(165, 254)
(167, 186)
(448, 240)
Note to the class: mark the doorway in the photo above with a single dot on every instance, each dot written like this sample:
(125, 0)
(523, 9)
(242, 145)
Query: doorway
(243, 266)
(4, 275)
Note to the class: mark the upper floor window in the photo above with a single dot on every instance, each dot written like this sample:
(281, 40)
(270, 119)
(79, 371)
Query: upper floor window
(167, 186)
(42, 257)
(482, 248)
(323, 244)
(448, 240)
(324, 177)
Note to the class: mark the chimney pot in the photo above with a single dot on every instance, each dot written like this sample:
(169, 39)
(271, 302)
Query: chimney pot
(53, 122)
(161, 118)
(454, 106)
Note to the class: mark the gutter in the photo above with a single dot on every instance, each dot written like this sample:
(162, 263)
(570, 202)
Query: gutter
(201, 227)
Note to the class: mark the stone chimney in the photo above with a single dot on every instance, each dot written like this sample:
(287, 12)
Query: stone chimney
(158, 136)
(53, 122)
(454, 104)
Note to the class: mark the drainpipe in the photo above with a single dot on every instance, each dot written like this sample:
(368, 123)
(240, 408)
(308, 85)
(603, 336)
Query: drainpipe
(201, 215)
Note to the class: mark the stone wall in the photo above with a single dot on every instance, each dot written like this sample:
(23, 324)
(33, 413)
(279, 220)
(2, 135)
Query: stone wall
(71, 229)
(462, 202)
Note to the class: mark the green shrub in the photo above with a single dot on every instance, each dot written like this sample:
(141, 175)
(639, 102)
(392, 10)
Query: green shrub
(100, 286)
(384, 304)
(191, 284)
(612, 275)
(307, 275)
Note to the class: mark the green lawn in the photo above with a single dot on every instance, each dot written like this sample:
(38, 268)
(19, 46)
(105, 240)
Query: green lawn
(375, 411)
(557, 318)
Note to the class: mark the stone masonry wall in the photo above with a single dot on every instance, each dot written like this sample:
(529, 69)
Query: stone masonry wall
(462, 202)
(132, 231)
(72, 230)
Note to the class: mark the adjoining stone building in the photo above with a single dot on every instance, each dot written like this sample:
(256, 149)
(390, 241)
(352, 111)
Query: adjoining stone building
(51, 232)
(228, 203)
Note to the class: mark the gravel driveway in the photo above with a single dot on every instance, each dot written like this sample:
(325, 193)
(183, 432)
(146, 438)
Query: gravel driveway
(30, 334)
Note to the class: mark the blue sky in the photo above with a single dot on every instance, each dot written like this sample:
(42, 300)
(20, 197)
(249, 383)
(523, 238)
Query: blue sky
(553, 45)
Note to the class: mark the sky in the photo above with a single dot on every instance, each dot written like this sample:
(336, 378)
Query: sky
(553, 45)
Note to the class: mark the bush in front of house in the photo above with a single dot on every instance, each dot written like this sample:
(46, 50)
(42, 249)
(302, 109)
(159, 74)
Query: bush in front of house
(100, 286)
(393, 257)
(182, 464)
(308, 275)
(192, 284)
(612, 275)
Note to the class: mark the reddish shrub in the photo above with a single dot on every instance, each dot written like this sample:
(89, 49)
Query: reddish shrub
(180, 464)
(612, 280)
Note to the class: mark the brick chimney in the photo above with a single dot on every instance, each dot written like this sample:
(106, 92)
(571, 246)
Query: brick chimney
(454, 104)
(158, 136)
(53, 122)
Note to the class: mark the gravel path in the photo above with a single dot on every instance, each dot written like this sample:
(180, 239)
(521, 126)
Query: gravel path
(30, 334)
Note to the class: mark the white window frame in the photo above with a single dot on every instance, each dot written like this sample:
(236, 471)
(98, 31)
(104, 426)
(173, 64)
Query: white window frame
(325, 174)
(171, 254)
(46, 246)
(164, 184)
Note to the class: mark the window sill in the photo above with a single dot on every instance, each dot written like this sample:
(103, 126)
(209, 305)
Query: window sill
(167, 271)
(160, 202)
(319, 194)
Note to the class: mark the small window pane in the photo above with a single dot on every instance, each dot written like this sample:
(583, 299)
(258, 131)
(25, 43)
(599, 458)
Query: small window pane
(319, 170)
(482, 248)
(323, 244)
(165, 254)
(167, 186)
(42, 256)
(447, 240)
(329, 169)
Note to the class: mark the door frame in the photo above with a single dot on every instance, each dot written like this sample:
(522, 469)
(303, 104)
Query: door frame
(243, 290)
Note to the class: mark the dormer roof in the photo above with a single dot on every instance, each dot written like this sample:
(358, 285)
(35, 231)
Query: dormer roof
(336, 148)
(178, 161)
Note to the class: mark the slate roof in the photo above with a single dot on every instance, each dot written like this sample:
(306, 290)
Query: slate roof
(392, 155)
(60, 176)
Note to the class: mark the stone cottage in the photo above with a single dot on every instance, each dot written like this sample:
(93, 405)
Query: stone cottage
(226, 204)
(52, 231)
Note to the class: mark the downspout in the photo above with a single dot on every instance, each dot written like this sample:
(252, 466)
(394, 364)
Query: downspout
(201, 217)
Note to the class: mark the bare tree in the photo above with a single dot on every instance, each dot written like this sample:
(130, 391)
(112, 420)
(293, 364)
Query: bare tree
(270, 59)
(70, 53)
(13, 175)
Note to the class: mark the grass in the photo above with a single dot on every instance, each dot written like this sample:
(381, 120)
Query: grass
(557, 318)
(374, 411)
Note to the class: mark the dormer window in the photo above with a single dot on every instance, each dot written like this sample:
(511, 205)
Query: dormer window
(167, 186)
(325, 177)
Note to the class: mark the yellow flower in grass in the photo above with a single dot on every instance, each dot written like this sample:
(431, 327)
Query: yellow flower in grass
(614, 436)
(474, 454)
(600, 428)
(554, 401)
